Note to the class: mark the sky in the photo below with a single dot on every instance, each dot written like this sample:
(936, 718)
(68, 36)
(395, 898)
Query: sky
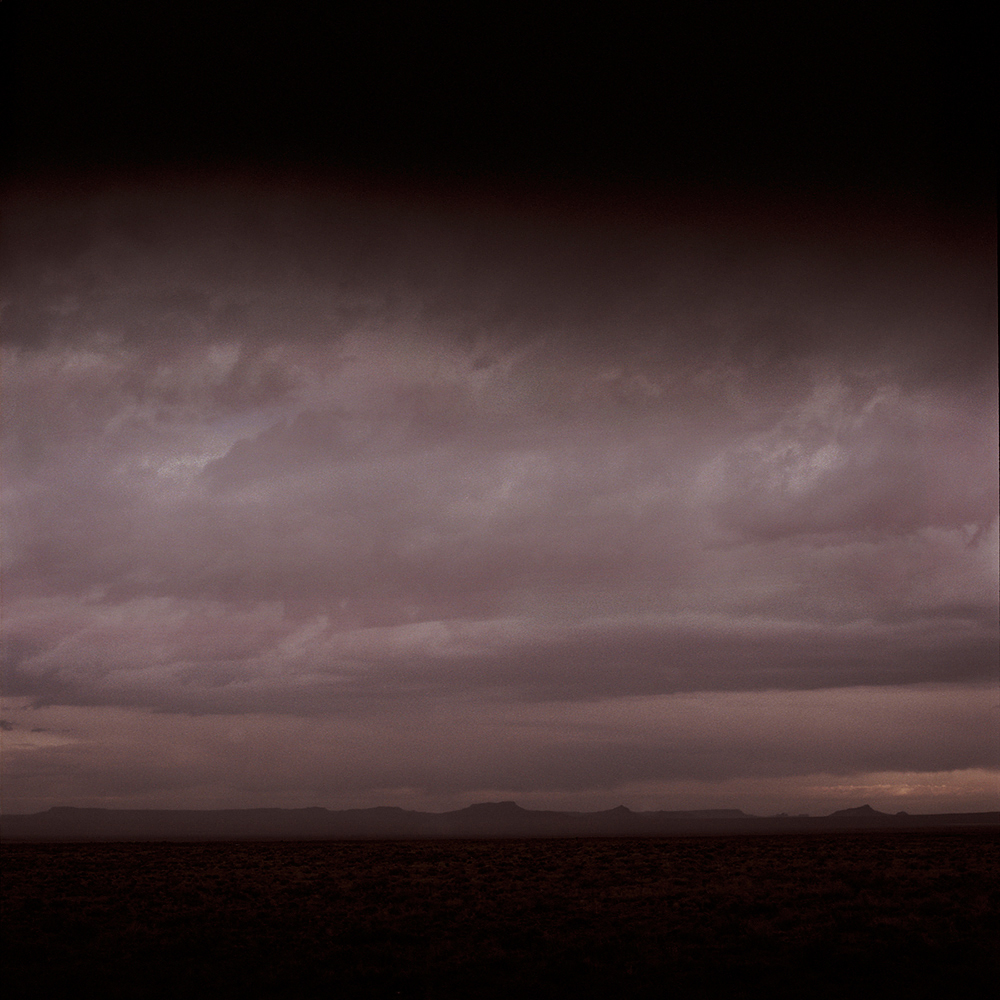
(382, 429)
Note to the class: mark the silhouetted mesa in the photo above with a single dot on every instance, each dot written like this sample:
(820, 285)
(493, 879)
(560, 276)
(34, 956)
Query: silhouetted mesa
(480, 821)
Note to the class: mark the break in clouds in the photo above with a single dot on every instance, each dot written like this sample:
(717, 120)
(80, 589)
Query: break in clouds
(315, 496)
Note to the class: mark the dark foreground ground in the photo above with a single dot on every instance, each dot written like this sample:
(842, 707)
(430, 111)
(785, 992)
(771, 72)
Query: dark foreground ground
(873, 914)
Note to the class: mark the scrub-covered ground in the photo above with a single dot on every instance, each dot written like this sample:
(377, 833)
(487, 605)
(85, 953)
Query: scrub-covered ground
(906, 914)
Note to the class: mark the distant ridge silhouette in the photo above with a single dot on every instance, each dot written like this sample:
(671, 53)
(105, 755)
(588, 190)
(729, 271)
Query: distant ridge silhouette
(481, 820)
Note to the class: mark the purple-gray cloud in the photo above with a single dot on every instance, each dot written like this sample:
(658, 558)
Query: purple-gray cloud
(311, 455)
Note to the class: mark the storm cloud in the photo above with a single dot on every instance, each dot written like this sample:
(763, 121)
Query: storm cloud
(322, 494)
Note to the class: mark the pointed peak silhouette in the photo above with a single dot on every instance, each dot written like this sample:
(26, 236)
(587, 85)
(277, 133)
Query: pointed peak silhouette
(865, 810)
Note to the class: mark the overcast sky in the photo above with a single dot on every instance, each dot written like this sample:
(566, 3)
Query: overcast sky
(348, 490)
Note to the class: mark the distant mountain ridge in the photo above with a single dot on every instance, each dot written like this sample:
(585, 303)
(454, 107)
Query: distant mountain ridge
(477, 821)
(865, 810)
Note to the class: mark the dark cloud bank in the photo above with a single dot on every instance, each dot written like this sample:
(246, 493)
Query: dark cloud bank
(424, 446)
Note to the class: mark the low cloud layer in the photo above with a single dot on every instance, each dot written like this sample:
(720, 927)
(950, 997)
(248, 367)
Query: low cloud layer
(342, 464)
